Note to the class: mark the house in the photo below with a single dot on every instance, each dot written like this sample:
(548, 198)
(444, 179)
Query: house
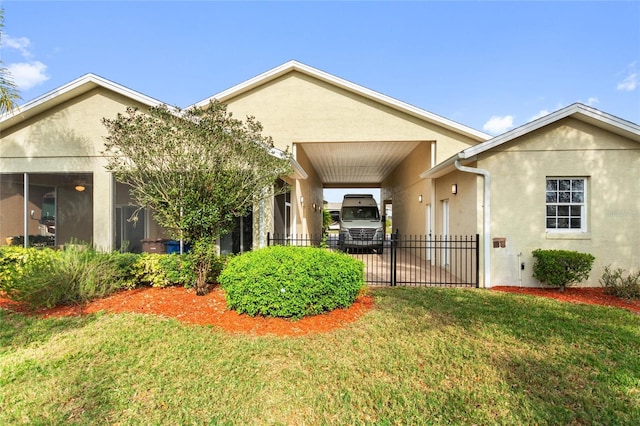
(569, 180)
(341, 135)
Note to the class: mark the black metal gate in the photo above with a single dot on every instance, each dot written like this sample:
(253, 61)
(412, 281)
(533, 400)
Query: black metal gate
(448, 261)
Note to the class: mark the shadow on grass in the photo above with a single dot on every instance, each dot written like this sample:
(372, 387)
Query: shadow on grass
(560, 362)
(526, 318)
(560, 391)
(19, 330)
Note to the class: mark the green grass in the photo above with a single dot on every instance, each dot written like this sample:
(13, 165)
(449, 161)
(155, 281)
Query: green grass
(422, 356)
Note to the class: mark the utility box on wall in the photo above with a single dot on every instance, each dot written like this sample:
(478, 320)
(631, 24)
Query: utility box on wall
(499, 242)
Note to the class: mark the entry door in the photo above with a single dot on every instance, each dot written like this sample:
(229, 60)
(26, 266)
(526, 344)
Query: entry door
(282, 214)
(445, 232)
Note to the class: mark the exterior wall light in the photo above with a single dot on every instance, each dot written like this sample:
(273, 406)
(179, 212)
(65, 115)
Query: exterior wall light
(80, 188)
(301, 199)
(420, 198)
(454, 188)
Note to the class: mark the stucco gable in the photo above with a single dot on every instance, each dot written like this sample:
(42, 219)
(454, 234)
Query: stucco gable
(579, 123)
(567, 134)
(72, 128)
(347, 87)
(576, 111)
(69, 91)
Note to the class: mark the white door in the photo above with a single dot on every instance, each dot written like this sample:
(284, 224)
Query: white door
(445, 232)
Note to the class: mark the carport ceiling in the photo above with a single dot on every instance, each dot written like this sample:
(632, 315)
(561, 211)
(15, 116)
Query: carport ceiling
(355, 164)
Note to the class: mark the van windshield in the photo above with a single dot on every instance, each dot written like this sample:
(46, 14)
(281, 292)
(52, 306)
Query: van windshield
(360, 213)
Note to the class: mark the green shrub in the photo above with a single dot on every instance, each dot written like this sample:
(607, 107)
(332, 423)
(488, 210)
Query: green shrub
(10, 257)
(291, 282)
(17, 261)
(217, 266)
(616, 284)
(164, 270)
(125, 263)
(46, 277)
(561, 268)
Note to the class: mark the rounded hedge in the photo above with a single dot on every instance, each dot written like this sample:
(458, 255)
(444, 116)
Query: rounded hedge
(291, 282)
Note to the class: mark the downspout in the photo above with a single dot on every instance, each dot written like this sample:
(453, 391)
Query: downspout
(486, 218)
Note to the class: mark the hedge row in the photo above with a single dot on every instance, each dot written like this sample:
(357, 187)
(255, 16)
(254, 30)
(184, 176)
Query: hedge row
(47, 277)
(289, 282)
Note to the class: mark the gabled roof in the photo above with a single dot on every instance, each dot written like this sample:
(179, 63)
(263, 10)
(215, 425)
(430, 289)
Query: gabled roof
(70, 90)
(578, 111)
(292, 66)
(89, 82)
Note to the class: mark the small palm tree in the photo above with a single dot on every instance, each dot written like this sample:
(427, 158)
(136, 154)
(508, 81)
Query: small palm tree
(8, 90)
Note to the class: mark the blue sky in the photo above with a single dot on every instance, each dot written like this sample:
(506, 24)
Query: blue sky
(489, 65)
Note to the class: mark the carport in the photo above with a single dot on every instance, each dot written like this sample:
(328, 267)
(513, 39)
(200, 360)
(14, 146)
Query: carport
(357, 164)
(345, 135)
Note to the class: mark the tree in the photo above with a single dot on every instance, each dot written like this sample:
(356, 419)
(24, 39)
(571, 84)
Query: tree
(8, 90)
(196, 170)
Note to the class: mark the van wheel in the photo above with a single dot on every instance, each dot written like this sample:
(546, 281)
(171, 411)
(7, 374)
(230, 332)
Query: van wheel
(380, 250)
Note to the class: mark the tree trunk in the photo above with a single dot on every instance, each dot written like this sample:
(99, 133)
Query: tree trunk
(203, 267)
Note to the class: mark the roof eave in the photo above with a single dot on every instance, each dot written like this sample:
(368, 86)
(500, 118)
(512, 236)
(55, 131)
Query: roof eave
(441, 169)
(577, 110)
(68, 91)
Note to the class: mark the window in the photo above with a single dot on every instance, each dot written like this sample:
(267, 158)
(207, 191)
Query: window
(565, 204)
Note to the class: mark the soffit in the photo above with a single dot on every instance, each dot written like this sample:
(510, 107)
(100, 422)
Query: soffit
(356, 164)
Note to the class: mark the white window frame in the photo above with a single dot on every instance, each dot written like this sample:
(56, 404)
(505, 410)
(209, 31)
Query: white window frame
(570, 204)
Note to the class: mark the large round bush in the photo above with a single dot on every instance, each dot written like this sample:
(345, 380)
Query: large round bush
(291, 282)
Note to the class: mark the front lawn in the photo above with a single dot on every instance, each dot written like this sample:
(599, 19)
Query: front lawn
(420, 356)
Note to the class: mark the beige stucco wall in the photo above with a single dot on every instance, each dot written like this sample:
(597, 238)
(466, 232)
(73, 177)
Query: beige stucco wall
(69, 138)
(297, 108)
(464, 219)
(404, 186)
(569, 148)
(308, 219)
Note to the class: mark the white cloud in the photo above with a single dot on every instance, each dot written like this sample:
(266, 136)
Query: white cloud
(540, 114)
(629, 84)
(593, 101)
(25, 75)
(28, 74)
(21, 44)
(497, 124)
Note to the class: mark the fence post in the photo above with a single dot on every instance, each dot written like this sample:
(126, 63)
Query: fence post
(268, 239)
(478, 260)
(394, 258)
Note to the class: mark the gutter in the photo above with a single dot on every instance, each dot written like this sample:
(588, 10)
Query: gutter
(486, 217)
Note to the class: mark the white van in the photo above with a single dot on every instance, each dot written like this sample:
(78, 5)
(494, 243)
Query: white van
(361, 225)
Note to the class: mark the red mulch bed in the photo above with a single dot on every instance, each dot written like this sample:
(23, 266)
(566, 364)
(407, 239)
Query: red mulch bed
(184, 305)
(211, 309)
(589, 295)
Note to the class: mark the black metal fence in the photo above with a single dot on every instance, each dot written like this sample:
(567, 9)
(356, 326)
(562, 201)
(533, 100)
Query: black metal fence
(448, 261)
